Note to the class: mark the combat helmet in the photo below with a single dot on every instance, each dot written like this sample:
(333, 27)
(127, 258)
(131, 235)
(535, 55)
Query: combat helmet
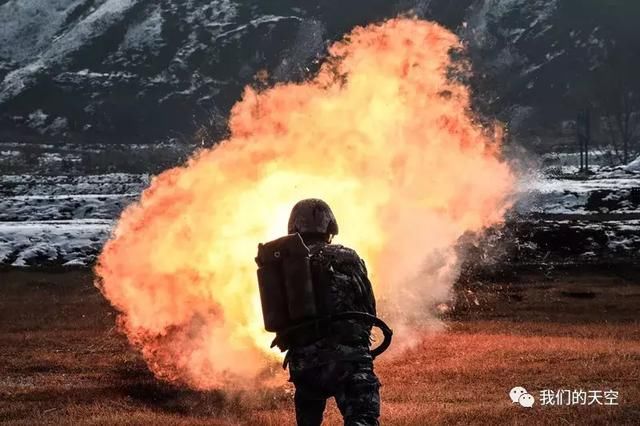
(312, 216)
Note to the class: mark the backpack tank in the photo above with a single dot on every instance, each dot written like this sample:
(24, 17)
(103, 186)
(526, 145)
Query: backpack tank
(284, 282)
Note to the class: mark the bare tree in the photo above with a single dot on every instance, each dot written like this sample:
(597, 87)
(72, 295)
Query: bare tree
(618, 90)
(621, 114)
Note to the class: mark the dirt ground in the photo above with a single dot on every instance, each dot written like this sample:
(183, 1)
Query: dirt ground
(63, 362)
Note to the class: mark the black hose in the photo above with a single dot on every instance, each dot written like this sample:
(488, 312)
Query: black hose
(348, 315)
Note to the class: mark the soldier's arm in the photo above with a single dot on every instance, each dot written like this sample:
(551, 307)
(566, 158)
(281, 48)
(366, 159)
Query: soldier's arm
(367, 290)
(352, 266)
(358, 272)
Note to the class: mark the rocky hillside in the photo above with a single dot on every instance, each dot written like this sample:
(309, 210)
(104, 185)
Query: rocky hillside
(139, 70)
(136, 71)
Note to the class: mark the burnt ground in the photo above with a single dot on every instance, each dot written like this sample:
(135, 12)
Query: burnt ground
(63, 362)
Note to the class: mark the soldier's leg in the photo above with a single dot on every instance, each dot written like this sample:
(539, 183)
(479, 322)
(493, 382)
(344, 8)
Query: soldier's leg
(358, 397)
(309, 408)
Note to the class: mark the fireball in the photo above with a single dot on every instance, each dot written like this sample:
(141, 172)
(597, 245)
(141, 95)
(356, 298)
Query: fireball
(382, 132)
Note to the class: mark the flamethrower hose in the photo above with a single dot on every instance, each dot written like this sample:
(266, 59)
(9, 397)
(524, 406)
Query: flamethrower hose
(349, 315)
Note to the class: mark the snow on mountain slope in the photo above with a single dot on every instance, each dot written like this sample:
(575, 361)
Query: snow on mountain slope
(136, 71)
(99, 20)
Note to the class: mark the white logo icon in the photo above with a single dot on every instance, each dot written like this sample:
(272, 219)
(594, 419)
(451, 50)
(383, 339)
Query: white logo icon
(519, 395)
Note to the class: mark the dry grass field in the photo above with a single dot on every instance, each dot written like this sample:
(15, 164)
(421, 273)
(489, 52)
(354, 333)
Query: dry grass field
(62, 361)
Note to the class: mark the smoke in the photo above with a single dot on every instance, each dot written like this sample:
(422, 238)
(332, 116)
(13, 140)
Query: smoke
(382, 133)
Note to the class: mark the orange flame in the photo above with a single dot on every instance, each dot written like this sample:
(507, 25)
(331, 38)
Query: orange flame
(381, 133)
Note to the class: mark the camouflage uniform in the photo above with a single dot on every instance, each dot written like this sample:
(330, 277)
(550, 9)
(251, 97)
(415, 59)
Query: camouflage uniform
(337, 362)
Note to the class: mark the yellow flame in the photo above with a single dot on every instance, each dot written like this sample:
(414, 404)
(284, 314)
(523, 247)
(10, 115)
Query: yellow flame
(381, 133)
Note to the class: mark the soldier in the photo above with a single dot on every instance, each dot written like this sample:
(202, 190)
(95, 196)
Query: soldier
(334, 362)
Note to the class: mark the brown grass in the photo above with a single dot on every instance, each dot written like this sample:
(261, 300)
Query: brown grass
(62, 362)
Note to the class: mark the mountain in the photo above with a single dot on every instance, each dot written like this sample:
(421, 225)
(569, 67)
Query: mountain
(140, 70)
(136, 71)
(540, 61)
